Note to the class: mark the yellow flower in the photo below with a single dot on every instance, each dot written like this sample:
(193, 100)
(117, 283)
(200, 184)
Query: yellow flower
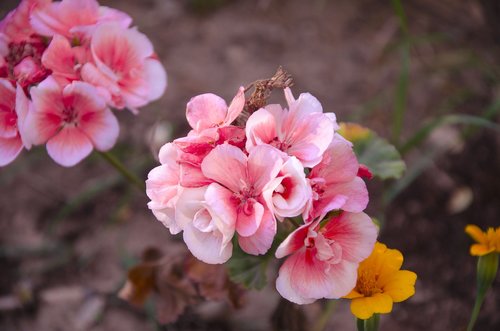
(380, 283)
(353, 132)
(488, 241)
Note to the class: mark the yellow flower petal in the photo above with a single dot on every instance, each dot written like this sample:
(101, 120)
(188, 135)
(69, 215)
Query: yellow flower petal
(480, 250)
(361, 308)
(401, 285)
(385, 262)
(364, 308)
(353, 295)
(476, 233)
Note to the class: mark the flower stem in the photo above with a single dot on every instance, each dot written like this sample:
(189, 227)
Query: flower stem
(120, 167)
(487, 267)
(325, 315)
(370, 324)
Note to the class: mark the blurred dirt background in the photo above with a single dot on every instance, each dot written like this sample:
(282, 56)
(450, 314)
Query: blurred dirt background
(68, 236)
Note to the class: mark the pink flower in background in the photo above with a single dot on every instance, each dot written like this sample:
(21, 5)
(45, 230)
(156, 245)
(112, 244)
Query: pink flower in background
(74, 18)
(206, 235)
(303, 131)
(13, 109)
(71, 120)
(236, 197)
(335, 183)
(208, 110)
(323, 261)
(290, 190)
(123, 63)
(162, 187)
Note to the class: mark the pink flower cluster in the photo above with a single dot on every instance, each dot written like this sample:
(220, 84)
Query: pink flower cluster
(63, 65)
(223, 182)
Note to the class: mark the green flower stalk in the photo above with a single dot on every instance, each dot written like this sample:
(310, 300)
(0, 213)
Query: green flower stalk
(487, 249)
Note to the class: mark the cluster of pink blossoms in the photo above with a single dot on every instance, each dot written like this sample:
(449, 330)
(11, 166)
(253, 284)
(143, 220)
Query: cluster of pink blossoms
(224, 181)
(63, 65)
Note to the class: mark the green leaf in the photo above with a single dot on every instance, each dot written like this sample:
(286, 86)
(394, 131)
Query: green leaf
(248, 270)
(382, 158)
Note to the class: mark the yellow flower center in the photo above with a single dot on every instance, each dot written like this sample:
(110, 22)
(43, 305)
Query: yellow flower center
(367, 283)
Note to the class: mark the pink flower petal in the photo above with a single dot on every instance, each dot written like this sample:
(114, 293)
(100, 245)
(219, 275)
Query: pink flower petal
(219, 201)
(249, 218)
(264, 164)
(59, 58)
(354, 194)
(69, 146)
(260, 242)
(284, 283)
(156, 77)
(205, 111)
(102, 128)
(207, 247)
(355, 232)
(343, 278)
(260, 128)
(9, 149)
(226, 165)
(22, 110)
(236, 106)
(302, 280)
(294, 241)
(339, 163)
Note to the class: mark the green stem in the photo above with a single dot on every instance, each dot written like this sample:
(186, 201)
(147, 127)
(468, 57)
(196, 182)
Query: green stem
(370, 324)
(325, 316)
(360, 324)
(120, 167)
(487, 267)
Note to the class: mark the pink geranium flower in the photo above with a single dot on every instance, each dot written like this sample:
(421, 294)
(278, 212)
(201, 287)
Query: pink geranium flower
(303, 131)
(124, 63)
(236, 196)
(74, 18)
(335, 184)
(323, 260)
(71, 120)
(162, 187)
(13, 110)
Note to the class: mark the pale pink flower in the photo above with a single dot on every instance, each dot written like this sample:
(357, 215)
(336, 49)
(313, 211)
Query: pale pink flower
(205, 234)
(335, 183)
(236, 197)
(208, 110)
(123, 63)
(74, 18)
(323, 260)
(303, 131)
(71, 120)
(162, 187)
(288, 194)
